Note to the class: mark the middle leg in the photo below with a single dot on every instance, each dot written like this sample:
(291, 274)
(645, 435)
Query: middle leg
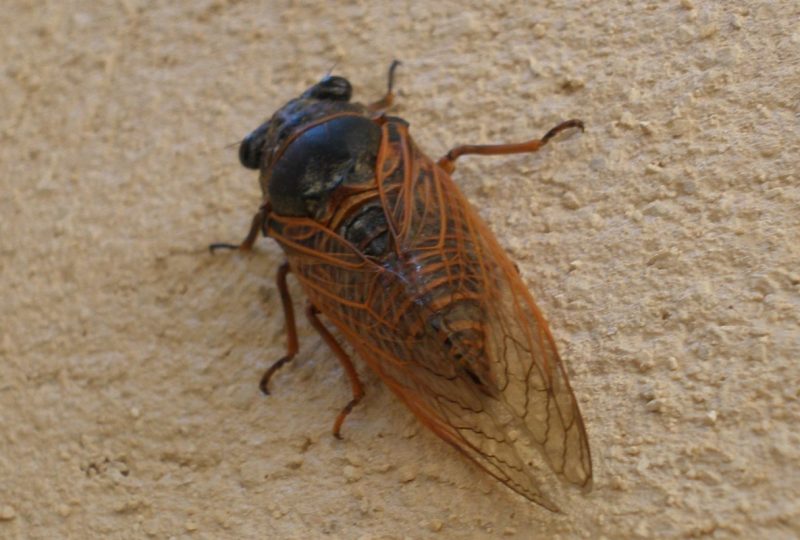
(347, 364)
(292, 344)
(448, 162)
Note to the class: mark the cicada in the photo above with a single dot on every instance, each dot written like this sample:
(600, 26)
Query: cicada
(394, 257)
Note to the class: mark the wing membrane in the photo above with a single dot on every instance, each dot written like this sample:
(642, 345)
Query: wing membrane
(449, 326)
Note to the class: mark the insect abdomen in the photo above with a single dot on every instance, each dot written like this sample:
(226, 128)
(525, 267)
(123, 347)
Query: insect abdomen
(453, 310)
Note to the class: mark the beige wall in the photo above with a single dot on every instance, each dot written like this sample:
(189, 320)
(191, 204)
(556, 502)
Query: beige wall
(662, 245)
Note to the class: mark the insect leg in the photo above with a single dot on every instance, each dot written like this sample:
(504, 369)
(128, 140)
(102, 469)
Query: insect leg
(448, 162)
(347, 364)
(386, 101)
(247, 243)
(291, 330)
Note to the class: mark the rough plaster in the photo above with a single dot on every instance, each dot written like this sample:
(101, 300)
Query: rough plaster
(662, 245)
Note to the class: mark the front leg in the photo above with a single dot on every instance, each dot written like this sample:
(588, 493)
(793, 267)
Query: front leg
(388, 99)
(250, 239)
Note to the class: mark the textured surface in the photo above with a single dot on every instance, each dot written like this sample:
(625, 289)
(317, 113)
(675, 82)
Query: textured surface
(661, 245)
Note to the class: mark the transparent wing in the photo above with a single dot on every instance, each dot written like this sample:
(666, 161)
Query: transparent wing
(449, 326)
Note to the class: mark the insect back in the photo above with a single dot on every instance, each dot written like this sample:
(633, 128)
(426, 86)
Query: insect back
(390, 253)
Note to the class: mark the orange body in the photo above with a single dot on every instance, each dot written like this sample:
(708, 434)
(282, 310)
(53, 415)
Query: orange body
(388, 250)
(444, 319)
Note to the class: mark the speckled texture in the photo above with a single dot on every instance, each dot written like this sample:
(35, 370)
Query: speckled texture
(662, 245)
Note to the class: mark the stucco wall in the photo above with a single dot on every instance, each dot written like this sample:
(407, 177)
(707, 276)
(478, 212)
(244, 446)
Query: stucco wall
(662, 245)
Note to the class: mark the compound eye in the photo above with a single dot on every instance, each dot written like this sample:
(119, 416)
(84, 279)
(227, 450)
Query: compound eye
(250, 150)
(332, 88)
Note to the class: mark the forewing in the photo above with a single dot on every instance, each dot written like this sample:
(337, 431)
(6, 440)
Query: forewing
(525, 400)
(448, 325)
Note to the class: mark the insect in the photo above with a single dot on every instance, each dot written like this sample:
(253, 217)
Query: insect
(390, 252)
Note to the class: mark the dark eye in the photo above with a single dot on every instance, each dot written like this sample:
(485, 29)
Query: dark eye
(250, 150)
(333, 88)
